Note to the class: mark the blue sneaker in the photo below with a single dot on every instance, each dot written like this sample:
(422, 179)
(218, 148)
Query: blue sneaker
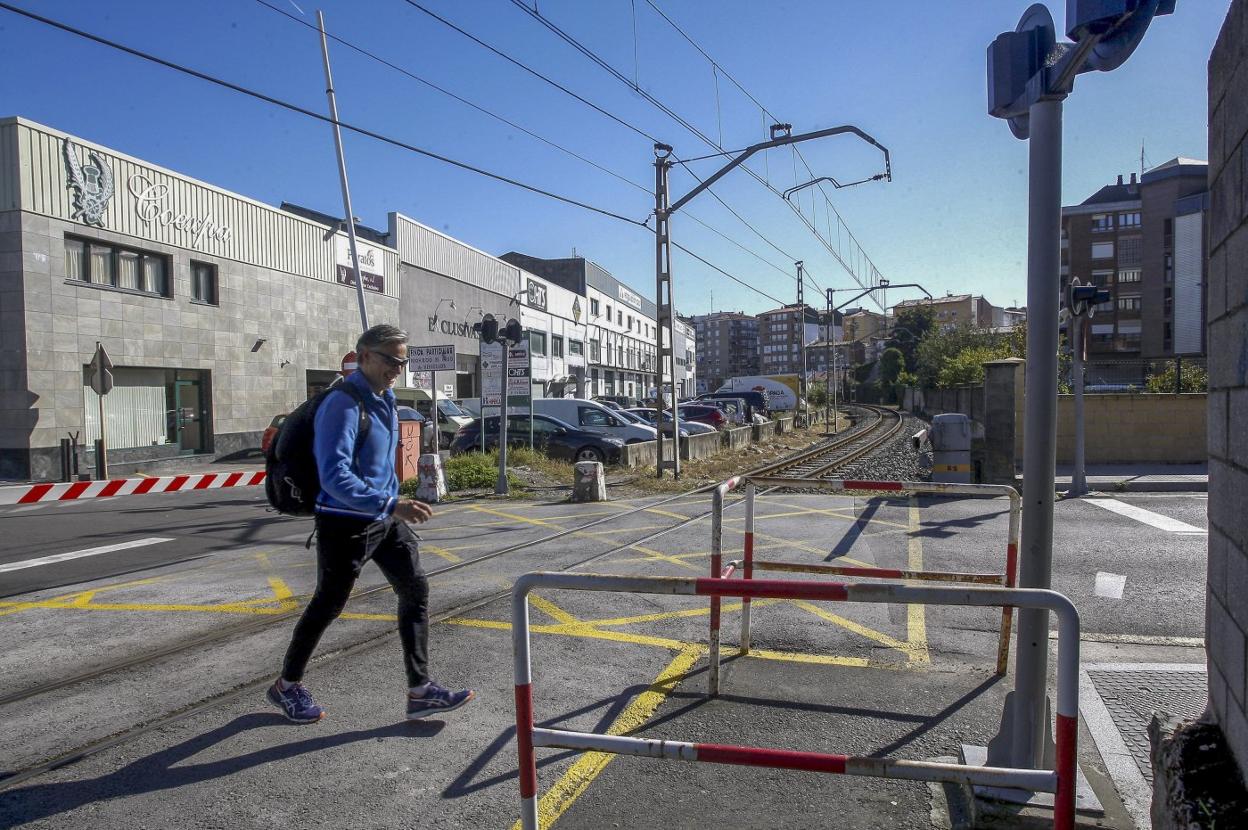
(436, 701)
(296, 703)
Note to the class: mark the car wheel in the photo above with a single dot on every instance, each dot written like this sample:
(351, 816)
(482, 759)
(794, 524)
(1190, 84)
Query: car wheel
(589, 454)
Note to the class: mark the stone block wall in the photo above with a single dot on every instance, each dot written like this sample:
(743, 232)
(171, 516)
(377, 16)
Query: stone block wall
(1226, 612)
(1135, 428)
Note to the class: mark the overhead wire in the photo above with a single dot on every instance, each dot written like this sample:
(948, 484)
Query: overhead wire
(238, 88)
(490, 113)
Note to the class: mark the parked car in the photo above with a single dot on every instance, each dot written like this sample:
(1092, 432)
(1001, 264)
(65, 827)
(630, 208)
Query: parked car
(756, 401)
(556, 438)
(450, 416)
(594, 416)
(734, 408)
(270, 432)
(687, 428)
(617, 401)
(703, 414)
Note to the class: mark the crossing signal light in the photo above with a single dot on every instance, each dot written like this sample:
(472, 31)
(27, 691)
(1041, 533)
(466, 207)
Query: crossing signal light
(513, 331)
(487, 328)
(1084, 298)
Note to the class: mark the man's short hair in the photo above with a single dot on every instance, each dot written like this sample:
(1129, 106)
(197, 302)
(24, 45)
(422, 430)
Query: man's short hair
(382, 334)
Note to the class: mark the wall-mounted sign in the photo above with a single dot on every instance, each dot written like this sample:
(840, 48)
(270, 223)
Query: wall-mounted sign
(91, 183)
(537, 295)
(151, 208)
(456, 328)
(630, 297)
(371, 264)
(431, 358)
(576, 310)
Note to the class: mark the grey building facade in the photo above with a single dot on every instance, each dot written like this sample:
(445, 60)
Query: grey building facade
(202, 299)
(727, 347)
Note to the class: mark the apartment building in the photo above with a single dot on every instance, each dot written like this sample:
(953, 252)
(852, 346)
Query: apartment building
(782, 335)
(727, 347)
(1145, 241)
(955, 310)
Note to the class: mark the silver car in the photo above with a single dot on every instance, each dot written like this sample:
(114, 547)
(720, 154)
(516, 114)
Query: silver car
(686, 427)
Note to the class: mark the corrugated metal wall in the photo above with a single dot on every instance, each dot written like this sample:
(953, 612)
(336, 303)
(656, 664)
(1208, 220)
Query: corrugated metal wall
(10, 168)
(238, 229)
(428, 249)
(1188, 303)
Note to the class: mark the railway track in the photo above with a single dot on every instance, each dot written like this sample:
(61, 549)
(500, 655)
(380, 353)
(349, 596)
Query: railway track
(872, 429)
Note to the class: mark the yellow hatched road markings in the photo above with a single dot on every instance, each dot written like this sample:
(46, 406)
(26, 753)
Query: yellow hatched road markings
(916, 615)
(846, 513)
(590, 765)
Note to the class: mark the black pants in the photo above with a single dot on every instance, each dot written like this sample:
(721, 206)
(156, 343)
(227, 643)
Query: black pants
(343, 545)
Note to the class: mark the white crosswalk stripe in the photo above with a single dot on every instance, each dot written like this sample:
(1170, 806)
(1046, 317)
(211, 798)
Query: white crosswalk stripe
(1147, 517)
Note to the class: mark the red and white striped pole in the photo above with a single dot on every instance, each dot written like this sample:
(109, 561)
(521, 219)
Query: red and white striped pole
(717, 564)
(522, 668)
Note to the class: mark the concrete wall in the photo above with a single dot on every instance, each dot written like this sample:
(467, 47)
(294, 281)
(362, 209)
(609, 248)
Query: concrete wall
(1124, 429)
(701, 446)
(1225, 609)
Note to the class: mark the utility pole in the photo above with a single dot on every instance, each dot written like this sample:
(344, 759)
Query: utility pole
(342, 179)
(801, 339)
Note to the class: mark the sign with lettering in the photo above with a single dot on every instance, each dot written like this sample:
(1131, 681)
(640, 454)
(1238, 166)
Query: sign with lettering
(371, 264)
(630, 297)
(431, 358)
(152, 208)
(519, 379)
(492, 374)
(537, 295)
(456, 328)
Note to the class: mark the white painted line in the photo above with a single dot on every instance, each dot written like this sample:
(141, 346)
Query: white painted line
(79, 554)
(1110, 585)
(1148, 517)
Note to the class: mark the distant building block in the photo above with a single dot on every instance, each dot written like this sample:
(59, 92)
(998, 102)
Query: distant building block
(589, 482)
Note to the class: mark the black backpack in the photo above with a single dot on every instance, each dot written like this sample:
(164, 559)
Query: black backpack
(291, 480)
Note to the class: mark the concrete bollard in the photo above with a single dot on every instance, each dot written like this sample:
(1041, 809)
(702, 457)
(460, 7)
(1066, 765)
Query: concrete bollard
(589, 483)
(431, 487)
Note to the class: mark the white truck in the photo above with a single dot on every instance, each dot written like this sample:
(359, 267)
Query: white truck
(782, 391)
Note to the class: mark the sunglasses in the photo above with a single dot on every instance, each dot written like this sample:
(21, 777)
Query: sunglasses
(392, 361)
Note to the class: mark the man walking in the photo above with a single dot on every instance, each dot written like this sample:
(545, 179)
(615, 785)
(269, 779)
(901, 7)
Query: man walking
(359, 516)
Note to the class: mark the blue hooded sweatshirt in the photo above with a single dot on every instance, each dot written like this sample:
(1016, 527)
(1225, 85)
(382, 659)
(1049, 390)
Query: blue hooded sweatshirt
(359, 485)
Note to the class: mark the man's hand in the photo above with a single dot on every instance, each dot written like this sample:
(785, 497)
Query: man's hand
(410, 510)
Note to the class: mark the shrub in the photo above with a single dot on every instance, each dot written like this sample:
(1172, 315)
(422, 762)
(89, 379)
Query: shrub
(470, 471)
(1195, 379)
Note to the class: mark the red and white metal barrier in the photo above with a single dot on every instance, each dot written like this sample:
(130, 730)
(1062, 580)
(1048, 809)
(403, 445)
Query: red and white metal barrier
(1060, 781)
(748, 565)
(126, 487)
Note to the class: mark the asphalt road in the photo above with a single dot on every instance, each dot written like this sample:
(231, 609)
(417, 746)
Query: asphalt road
(193, 524)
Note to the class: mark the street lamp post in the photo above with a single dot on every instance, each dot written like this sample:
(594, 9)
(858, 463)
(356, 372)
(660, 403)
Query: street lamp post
(1029, 76)
(665, 303)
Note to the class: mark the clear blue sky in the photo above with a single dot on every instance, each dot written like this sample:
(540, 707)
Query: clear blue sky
(954, 218)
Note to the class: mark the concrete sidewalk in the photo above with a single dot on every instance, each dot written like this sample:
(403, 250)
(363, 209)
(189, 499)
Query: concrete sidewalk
(1137, 478)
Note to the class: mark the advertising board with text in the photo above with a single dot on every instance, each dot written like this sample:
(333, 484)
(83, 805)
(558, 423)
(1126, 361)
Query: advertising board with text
(431, 358)
(519, 379)
(491, 374)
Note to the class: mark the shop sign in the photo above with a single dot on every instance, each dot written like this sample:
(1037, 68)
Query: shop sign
(151, 208)
(630, 297)
(456, 328)
(371, 264)
(576, 310)
(519, 379)
(537, 295)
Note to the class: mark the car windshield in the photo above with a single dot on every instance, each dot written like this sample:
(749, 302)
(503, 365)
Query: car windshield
(450, 409)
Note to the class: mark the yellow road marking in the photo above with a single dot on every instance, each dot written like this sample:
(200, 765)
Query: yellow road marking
(870, 633)
(916, 615)
(671, 615)
(582, 630)
(821, 659)
(590, 765)
(846, 513)
(443, 552)
(553, 611)
(69, 600)
(667, 513)
(810, 549)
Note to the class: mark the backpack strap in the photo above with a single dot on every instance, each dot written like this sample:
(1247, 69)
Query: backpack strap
(366, 422)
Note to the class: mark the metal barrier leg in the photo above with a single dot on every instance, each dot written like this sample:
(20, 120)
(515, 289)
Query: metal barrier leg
(1007, 612)
(522, 669)
(717, 556)
(748, 571)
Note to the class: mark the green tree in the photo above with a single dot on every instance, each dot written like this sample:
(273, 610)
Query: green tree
(910, 325)
(1195, 379)
(892, 364)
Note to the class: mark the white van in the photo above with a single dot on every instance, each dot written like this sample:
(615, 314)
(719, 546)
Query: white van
(450, 416)
(594, 417)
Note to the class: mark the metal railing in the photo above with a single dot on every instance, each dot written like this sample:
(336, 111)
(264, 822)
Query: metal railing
(1060, 781)
(748, 564)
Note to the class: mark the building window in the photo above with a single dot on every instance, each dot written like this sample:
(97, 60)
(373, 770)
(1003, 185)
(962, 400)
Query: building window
(619, 318)
(608, 314)
(1128, 303)
(1102, 278)
(128, 269)
(595, 351)
(1129, 220)
(630, 322)
(1130, 251)
(1102, 222)
(1102, 250)
(204, 283)
(556, 346)
(593, 307)
(537, 342)
(576, 347)
(1129, 275)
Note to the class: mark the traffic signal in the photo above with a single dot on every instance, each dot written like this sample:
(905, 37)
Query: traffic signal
(1118, 25)
(487, 328)
(1083, 299)
(513, 331)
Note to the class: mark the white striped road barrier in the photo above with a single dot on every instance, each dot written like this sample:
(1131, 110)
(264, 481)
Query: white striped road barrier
(748, 564)
(33, 493)
(1060, 781)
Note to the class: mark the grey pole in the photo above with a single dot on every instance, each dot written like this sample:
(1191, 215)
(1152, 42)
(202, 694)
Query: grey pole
(501, 487)
(829, 366)
(1078, 481)
(801, 339)
(1039, 427)
(342, 174)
